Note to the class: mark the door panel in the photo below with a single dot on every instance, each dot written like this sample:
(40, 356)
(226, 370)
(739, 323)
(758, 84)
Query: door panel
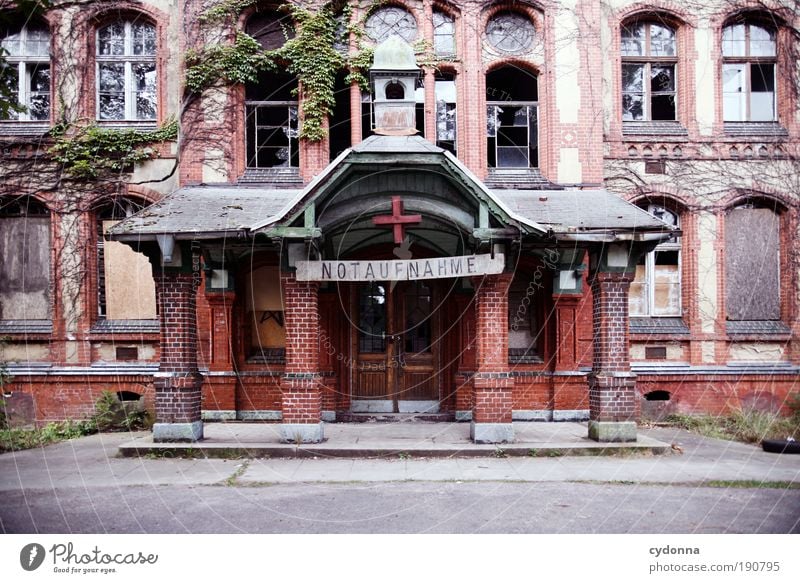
(396, 349)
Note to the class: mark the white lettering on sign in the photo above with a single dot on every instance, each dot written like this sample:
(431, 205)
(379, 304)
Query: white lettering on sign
(401, 269)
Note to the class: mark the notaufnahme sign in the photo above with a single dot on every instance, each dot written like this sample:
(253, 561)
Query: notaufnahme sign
(401, 269)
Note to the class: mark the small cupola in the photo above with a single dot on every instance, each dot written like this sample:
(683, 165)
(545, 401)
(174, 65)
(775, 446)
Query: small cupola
(394, 76)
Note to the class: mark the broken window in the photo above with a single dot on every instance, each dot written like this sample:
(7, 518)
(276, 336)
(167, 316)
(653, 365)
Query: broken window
(748, 72)
(444, 34)
(272, 124)
(339, 130)
(126, 71)
(512, 119)
(27, 71)
(649, 62)
(389, 21)
(25, 260)
(510, 32)
(125, 286)
(523, 326)
(656, 288)
(446, 129)
(752, 262)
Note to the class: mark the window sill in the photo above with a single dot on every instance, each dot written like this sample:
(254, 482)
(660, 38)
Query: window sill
(523, 357)
(268, 356)
(125, 327)
(35, 129)
(754, 129)
(749, 328)
(288, 177)
(124, 125)
(649, 326)
(654, 130)
(516, 178)
(26, 327)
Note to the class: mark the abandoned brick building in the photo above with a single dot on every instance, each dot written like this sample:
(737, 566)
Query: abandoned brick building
(534, 210)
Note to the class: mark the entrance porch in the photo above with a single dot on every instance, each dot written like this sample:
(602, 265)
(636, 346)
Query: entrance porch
(404, 439)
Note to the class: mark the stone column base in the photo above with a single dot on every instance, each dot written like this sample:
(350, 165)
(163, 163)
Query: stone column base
(166, 432)
(301, 432)
(491, 432)
(612, 431)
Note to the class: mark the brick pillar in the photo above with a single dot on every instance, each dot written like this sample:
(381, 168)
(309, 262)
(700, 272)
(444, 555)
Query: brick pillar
(178, 382)
(613, 406)
(301, 402)
(493, 385)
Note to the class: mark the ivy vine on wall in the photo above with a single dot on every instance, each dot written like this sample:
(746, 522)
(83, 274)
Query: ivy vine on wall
(310, 55)
(86, 152)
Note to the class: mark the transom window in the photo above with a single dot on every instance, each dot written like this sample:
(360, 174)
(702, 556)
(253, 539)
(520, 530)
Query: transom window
(649, 61)
(748, 72)
(510, 32)
(126, 71)
(656, 288)
(389, 21)
(444, 35)
(27, 53)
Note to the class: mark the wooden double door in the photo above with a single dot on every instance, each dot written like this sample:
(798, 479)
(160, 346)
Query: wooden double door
(396, 346)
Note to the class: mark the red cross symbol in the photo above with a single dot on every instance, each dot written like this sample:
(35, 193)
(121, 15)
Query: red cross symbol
(397, 219)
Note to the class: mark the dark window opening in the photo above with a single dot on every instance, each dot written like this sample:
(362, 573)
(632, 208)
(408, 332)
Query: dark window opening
(655, 352)
(128, 396)
(127, 353)
(657, 396)
(395, 90)
(340, 125)
(512, 119)
(372, 318)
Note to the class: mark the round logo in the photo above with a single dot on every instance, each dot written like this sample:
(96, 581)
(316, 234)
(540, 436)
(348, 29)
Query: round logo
(31, 556)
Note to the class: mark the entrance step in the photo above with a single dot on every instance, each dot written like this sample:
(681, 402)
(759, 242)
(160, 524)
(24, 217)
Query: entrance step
(394, 417)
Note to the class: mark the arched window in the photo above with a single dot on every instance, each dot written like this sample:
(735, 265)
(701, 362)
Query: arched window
(27, 73)
(649, 63)
(656, 289)
(395, 91)
(391, 20)
(512, 118)
(125, 285)
(127, 81)
(510, 32)
(24, 259)
(748, 72)
(271, 103)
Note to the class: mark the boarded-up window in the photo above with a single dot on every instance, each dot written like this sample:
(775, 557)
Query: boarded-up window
(24, 260)
(265, 309)
(126, 289)
(752, 264)
(656, 288)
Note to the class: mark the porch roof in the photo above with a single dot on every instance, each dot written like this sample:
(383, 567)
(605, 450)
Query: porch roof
(212, 212)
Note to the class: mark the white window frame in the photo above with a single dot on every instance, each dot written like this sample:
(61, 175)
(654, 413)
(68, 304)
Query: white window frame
(647, 60)
(23, 63)
(748, 61)
(673, 244)
(128, 59)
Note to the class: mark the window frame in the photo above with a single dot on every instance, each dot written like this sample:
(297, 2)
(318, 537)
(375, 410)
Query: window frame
(446, 77)
(647, 60)
(749, 61)
(26, 64)
(672, 244)
(127, 59)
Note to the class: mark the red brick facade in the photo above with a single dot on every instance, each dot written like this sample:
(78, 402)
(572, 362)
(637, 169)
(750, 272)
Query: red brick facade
(583, 143)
